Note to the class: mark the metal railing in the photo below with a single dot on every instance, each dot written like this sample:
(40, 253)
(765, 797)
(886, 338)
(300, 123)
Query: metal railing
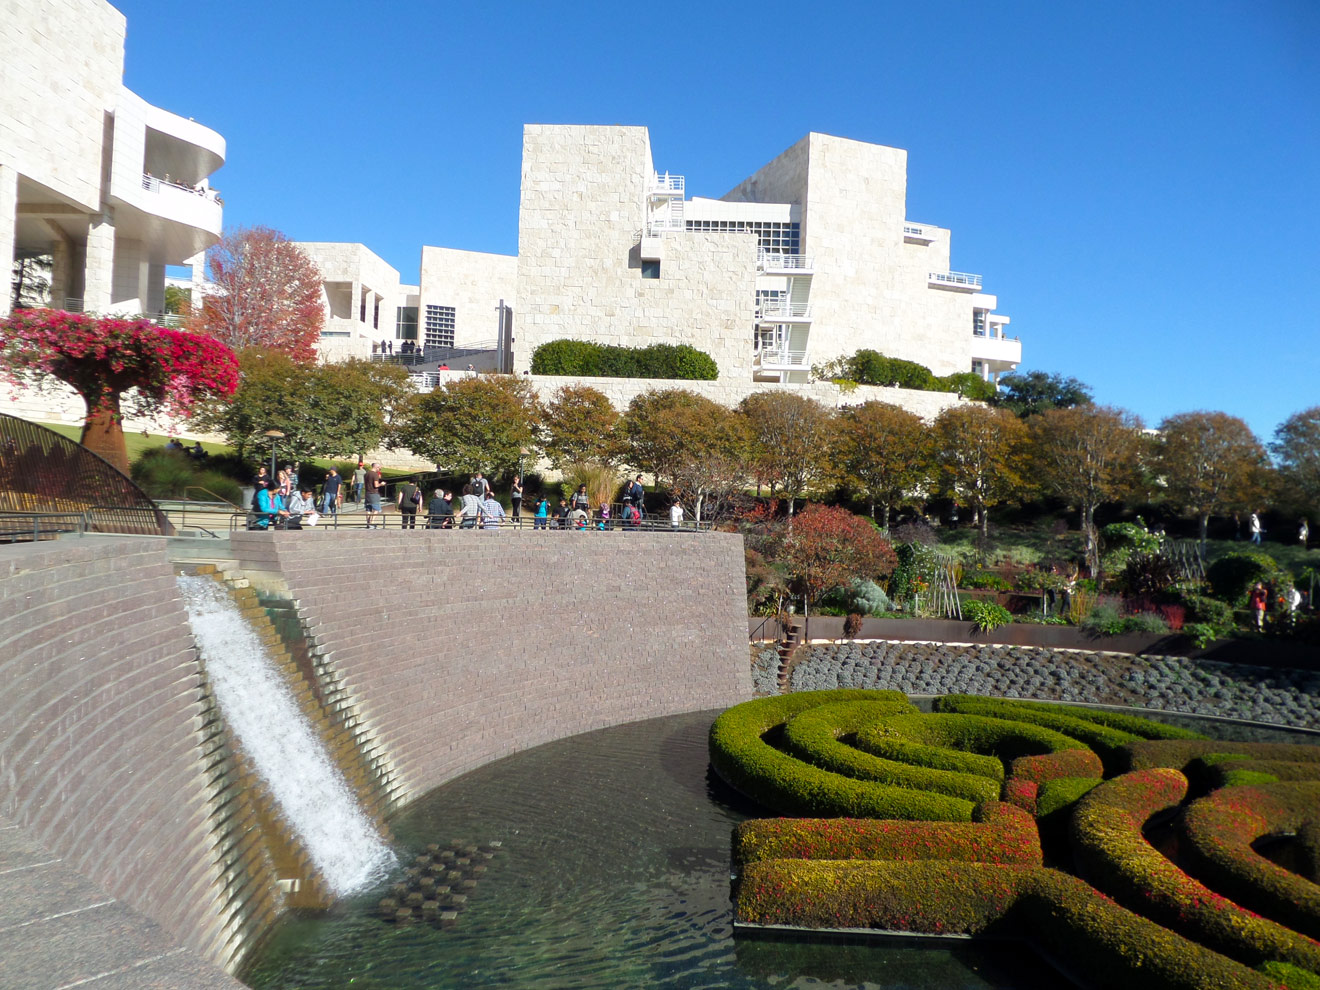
(771, 261)
(21, 527)
(663, 182)
(914, 230)
(393, 520)
(963, 280)
(781, 309)
(152, 184)
(770, 357)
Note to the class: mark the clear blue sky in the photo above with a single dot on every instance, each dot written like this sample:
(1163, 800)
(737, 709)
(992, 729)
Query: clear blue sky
(1138, 182)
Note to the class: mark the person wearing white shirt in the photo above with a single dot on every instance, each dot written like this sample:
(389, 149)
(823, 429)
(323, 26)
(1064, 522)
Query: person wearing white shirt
(675, 516)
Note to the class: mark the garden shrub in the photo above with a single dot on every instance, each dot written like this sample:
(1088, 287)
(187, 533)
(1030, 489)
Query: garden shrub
(591, 360)
(1107, 945)
(169, 474)
(861, 595)
(1111, 850)
(740, 754)
(1060, 793)
(1219, 830)
(1229, 770)
(1147, 623)
(1203, 608)
(1052, 766)
(968, 384)
(1292, 977)
(985, 579)
(986, 615)
(813, 737)
(969, 740)
(1179, 753)
(1021, 793)
(1000, 833)
(1103, 620)
(1232, 575)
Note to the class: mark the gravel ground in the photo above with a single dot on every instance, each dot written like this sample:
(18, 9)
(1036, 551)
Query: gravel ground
(765, 670)
(1176, 684)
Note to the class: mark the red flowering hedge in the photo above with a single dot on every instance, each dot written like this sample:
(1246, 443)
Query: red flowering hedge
(1101, 943)
(1220, 829)
(1021, 793)
(1233, 770)
(104, 356)
(1000, 834)
(741, 755)
(1180, 753)
(1111, 850)
(1053, 766)
(813, 736)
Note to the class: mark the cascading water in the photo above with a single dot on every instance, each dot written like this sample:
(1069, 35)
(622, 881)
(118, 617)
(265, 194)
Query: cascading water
(284, 748)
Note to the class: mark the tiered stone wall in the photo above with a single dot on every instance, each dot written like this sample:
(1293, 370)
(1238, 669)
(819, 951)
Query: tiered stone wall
(458, 647)
(101, 760)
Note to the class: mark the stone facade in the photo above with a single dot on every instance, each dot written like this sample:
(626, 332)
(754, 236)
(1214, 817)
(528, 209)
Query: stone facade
(361, 294)
(478, 644)
(471, 283)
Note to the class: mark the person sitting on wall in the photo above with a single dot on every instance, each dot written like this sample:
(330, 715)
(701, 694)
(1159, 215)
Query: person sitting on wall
(302, 510)
(270, 507)
(197, 452)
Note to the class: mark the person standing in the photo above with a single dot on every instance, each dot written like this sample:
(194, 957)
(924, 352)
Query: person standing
(492, 513)
(331, 493)
(542, 519)
(438, 511)
(373, 488)
(359, 482)
(1255, 528)
(561, 515)
(580, 500)
(480, 487)
(675, 516)
(515, 500)
(638, 494)
(1256, 602)
(408, 499)
(471, 511)
(1303, 533)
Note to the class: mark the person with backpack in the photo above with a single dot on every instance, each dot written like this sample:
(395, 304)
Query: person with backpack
(409, 500)
(631, 517)
(638, 495)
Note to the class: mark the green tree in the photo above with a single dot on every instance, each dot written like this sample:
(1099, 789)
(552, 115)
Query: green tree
(884, 455)
(1086, 455)
(323, 410)
(579, 425)
(1211, 463)
(978, 450)
(1036, 391)
(790, 441)
(469, 424)
(1296, 447)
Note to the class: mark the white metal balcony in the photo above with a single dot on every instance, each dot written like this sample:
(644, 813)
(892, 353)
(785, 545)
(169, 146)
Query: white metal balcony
(770, 262)
(1001, 352)
(783, 311)
(956, 280)
(916, 232)
(780, 359)
(664, 184)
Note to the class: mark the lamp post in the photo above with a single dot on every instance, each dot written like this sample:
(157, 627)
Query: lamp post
(274, 436)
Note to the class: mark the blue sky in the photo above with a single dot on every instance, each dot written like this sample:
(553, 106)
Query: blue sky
(1138, 182)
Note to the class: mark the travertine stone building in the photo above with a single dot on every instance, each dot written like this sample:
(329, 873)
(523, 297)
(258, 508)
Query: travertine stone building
(365, 303)
(107, 187)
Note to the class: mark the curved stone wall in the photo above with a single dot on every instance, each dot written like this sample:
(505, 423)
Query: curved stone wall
(454, 648)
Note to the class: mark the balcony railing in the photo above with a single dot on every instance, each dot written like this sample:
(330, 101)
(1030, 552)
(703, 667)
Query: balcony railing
(663, 182)
(153, 184)
(957, 280)
(783, 309)
(780, 358)
(770, 261)
(918, 233)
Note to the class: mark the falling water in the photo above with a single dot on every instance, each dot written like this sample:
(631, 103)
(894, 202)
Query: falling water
(286, 751)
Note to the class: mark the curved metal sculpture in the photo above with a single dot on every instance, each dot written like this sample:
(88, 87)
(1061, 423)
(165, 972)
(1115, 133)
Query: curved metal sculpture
(45, 474)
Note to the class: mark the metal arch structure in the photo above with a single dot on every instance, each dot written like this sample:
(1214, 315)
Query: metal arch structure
(42, 471)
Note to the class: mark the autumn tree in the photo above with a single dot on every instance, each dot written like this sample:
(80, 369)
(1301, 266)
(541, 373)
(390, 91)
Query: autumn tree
(694, 444)
(482, 423)
(883, 454)
(269, 295)
(978, 450)
(1086, 455)
(790, 441)
(579, 425)
(333, 410)
(1210, 463)
(119, 367)
(1296, 447)
(1034, 392)
(828, 546)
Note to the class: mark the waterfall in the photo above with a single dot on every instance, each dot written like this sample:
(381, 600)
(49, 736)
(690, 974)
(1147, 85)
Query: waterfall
(283, 747)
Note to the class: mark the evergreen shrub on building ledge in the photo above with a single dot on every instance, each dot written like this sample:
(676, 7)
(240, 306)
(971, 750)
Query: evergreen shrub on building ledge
(868, 367)
(584, 359)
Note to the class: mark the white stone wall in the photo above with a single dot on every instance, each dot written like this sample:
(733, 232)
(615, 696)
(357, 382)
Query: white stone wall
(579, 267)
(473, 283)
(369, 277)
(62, 69)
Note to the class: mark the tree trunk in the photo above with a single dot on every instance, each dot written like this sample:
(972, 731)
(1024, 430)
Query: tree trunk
(885, 517)
(103, 432)
(984, 517)
(1204, 525)
(1092, 546)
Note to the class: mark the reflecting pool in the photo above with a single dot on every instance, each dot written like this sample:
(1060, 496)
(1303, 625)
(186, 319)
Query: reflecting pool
(613, 872)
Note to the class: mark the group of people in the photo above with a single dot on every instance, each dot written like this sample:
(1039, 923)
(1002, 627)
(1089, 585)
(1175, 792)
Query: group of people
(197, 452)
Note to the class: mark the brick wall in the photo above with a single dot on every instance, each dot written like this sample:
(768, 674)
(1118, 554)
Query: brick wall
(459, 647)
(100, 739)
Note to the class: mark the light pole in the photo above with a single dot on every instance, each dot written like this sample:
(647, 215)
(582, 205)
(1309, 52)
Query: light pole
(274, 436)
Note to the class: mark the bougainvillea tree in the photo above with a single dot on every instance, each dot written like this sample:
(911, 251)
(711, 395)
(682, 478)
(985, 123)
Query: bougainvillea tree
(268, 295)
(118, 366)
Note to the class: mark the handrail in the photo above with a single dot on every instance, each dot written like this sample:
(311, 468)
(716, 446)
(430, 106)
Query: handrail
(199, 488)
(664, 182)
(774, 261)
(955, 278)
(781, 309)
(239, 521)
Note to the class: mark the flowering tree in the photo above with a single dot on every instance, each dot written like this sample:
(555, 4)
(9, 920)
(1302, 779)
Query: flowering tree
(828, 545)
(269, 295)
(115, 363)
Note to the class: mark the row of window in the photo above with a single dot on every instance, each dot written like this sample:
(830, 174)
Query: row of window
(773, 236)
(439, 326)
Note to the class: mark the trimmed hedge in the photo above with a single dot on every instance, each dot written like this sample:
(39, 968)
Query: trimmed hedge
(1231, 770)
(1052, 766)
(990, 742)
(1000, 834)
(1106, 945)
(1022, 793)
(741, 755)
(1220, 830)
(582, 358)
(813, 737)
(1063, 792)
(1111, 850)
(1179, 754)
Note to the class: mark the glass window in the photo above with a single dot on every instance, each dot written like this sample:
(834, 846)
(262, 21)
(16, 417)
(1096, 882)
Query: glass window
(650, 269)
(439, 326)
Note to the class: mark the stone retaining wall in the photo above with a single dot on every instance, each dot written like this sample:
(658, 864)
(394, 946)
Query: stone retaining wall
(459, 647)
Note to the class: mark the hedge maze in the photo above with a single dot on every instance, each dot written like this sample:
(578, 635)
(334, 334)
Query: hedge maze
(1126, 850)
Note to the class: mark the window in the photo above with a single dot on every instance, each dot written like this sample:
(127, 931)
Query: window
(406, 320)
(775, 238)
(978, 368)
(978, 322)
(439, 326)
(650, 269)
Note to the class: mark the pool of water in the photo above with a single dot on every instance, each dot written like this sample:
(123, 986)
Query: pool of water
(613, 873)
